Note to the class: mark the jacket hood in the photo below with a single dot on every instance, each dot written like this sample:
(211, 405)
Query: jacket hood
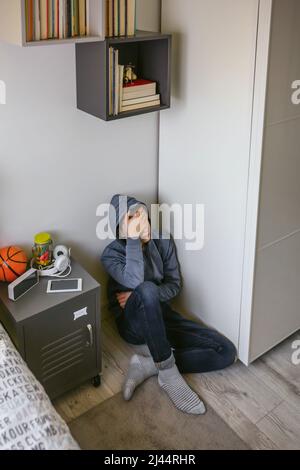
(120, 205)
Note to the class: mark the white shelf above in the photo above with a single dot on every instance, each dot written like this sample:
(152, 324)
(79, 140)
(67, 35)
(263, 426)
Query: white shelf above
(13, 24)
(51, 42)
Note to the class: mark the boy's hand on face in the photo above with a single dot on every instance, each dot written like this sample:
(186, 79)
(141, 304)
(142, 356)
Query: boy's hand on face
(123, 298)
(138, 226)
(134, 225)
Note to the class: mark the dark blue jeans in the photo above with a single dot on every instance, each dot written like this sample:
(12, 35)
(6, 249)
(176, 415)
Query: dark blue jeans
(146, 320)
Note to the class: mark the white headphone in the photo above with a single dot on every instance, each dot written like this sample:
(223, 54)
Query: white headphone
(62, 263)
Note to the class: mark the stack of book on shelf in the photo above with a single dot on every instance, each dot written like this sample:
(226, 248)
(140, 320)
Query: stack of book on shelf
(140, 94)
(56, 19)
(120, 18)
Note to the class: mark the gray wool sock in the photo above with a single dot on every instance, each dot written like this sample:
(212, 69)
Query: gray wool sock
(183, 397)
(140, 369)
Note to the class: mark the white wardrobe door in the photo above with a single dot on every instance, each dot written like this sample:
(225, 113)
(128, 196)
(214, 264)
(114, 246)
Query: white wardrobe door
(276, 298)
(205, 146)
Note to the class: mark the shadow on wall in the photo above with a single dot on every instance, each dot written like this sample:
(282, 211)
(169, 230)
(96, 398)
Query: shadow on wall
(89, 261)
(179, 41)
(4, 206)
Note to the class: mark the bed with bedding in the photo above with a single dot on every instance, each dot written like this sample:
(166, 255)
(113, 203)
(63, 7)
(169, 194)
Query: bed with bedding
(28, 420)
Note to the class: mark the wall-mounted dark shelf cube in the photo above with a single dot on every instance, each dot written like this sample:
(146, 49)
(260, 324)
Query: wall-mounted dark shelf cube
(149, 52)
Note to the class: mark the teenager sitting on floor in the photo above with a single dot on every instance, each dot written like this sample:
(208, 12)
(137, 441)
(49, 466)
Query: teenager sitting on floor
(144, 278)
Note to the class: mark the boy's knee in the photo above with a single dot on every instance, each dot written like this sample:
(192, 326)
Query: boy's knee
(147, 291)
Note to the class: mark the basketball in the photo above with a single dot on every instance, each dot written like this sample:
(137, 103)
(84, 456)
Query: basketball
(13, 263)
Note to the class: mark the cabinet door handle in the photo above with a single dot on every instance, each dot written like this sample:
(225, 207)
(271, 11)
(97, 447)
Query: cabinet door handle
(90, 330)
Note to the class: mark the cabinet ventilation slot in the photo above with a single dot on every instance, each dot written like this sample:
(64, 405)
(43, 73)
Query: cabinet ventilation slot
(62, 341)
(61, 355)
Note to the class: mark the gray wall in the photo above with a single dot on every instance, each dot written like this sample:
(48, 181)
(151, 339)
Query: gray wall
(57, 163)
(205, 144)
(277, 279)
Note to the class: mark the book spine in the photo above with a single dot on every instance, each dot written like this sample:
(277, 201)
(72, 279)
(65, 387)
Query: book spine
(72, 18)
(61, 19)
(106, 18)
(56, 19)
(111, 18)
(27, 19)
(53, 18)
(65, 19)
(119, 17)
(30, 20)
(149, 104)
(82, 18)
(126, 17)
(114, 82)
(76, 17)
(144, 99)
(85, 18)
(110, 80)
(116, 17)
(131, 14)
(69, 18)
(88, 17)
(121, 75)
(117, 84)
(43, 18)
(33, 20)
(37, 29)
(134, 21)
(72, 6)
(122, 17)
(49, 19)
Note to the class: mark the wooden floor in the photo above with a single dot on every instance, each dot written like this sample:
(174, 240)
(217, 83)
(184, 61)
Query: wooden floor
(260, 403)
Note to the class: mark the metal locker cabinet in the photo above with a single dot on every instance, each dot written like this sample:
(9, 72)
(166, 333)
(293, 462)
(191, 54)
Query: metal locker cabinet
(62, 349)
